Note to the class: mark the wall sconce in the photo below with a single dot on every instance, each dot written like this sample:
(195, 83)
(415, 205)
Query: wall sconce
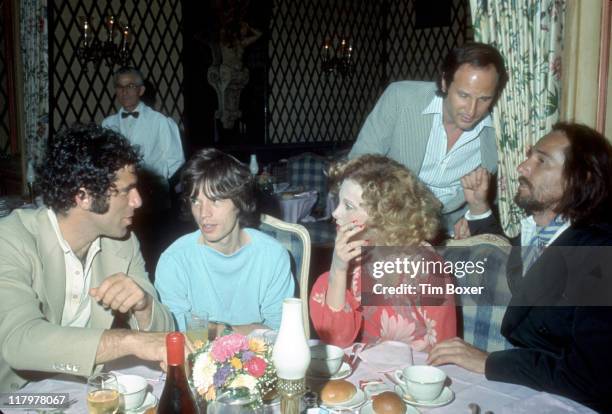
(90, 49)
(338, 60)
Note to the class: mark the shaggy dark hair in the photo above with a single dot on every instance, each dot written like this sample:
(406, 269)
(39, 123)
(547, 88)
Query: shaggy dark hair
(587, 172)
(220, 176)
(83, 157)
(480, 55)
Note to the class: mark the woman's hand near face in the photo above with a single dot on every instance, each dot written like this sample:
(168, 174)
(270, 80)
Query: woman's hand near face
(346, 249)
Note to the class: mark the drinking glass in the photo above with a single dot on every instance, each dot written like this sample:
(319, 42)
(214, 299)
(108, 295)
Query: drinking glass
(197, 327)
(102, 394)
(229, 403)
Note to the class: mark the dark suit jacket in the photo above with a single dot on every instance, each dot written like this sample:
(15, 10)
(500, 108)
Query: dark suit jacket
(563, 349)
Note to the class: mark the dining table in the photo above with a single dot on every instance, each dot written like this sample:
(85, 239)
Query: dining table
(296, 206)
(468, 388)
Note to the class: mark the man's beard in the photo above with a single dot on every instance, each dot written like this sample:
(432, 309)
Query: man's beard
(528, 202)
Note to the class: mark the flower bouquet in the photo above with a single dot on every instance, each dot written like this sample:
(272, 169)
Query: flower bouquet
(233, 363)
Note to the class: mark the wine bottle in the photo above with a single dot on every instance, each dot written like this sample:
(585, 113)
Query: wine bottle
(176, 397)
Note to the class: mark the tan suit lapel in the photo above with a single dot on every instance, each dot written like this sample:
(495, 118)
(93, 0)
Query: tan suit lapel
(54, 268)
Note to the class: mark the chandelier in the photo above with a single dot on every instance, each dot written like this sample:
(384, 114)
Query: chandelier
(90, 49)
(337, 60)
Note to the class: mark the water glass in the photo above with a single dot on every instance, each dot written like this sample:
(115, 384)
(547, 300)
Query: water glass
(103, 394)
(229, 404)
(196, 323)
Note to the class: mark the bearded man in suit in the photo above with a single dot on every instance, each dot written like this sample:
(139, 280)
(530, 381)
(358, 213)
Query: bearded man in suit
(68, 267)
(559, 318)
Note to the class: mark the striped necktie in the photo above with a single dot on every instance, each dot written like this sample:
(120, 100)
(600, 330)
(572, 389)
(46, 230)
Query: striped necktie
(539, 241)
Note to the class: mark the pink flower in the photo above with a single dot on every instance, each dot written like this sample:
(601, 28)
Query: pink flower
(396, 328)
(228, 345)
(256, 366)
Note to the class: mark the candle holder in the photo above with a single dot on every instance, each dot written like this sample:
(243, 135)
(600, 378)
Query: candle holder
(338, 60)
(90, 49)
(291, 392)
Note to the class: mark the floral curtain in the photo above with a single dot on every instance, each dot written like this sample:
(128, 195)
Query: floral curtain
(529, 34)
(34, 55)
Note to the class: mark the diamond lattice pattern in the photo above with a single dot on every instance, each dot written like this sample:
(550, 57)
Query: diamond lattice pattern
(85, 93)
(308, 106)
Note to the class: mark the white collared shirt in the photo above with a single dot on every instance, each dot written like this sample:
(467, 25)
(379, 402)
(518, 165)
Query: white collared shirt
(441, 170)
(77, 302)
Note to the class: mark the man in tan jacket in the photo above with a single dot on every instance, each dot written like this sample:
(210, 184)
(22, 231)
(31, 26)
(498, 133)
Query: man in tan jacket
(66, 268)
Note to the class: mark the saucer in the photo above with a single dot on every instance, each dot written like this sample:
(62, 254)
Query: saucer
(446, 396)
(149, 401)
(344, 371)
(372, 390)
(358, 399)
(368, 409)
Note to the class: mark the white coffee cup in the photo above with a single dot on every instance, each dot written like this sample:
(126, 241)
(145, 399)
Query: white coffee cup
(422, 382)
(133, 389)
(325, 360)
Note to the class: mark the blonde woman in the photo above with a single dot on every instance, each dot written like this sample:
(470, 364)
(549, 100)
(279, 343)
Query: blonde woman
(381, 203)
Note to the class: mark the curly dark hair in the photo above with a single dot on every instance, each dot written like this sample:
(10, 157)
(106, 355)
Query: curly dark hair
(587, 172)
(220, 176)
(83, 157)
(401, 209)
(477, 54)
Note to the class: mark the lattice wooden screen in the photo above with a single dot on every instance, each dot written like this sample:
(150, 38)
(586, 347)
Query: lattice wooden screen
(86, 95)
(308, 106)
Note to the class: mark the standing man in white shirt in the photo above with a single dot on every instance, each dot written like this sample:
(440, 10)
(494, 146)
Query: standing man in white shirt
(158, 139)
(441, 131)
(156, 135)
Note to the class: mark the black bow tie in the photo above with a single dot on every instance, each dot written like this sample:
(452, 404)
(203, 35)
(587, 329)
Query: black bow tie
(126, 114)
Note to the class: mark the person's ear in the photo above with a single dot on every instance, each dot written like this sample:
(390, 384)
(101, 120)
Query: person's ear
(141, 90)
(83, 199)
(443, 84)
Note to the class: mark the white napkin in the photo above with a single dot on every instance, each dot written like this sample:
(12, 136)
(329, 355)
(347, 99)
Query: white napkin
(387, 356)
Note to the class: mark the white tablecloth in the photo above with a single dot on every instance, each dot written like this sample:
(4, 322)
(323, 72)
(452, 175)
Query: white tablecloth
(297, 207)
(501, 398)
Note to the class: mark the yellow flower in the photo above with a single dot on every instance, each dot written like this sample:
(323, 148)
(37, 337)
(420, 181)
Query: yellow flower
(257, 345)
(211, 394)
(198, 343)
(236, 363)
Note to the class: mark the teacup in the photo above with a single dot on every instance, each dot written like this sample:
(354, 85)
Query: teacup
(133, 389)
(325, 360)
(423, 382)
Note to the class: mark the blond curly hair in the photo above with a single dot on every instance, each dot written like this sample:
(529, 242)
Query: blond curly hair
(401, 209)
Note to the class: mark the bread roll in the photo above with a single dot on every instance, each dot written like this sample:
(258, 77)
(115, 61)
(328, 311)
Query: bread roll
(388, 403)
(337, 391)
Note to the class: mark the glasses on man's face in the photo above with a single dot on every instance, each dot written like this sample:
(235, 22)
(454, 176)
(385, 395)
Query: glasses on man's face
(130, 87)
